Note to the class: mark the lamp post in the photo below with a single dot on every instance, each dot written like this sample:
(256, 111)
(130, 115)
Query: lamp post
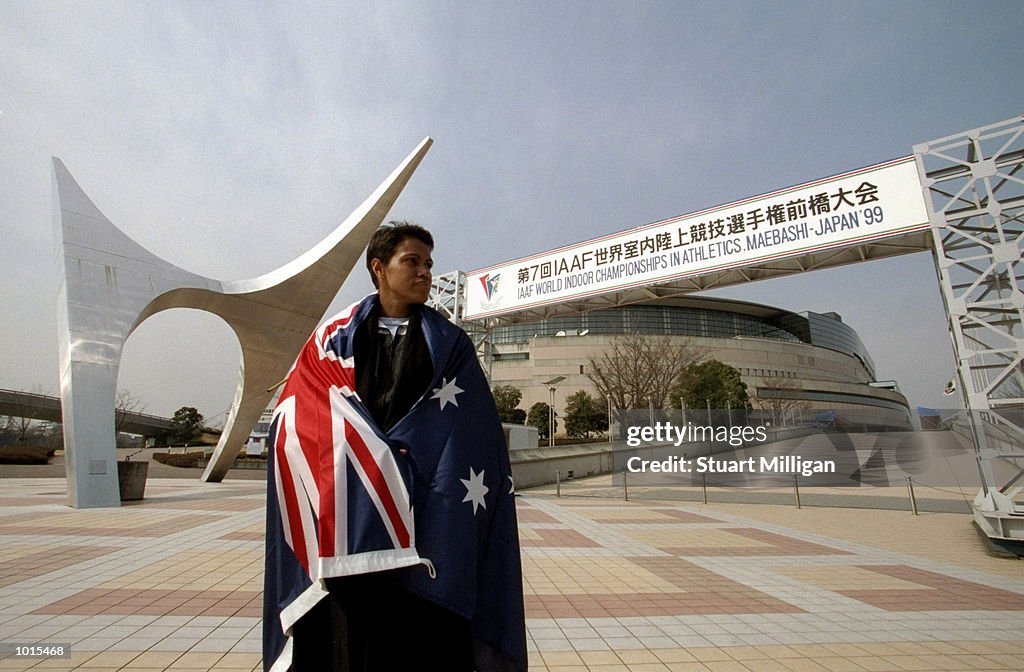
(552, 384)
(609, 419)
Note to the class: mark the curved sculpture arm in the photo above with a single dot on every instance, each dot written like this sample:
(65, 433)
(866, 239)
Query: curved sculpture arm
(109, 284)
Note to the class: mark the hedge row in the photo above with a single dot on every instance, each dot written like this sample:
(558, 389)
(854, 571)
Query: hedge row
(179, 459)
(25, 455)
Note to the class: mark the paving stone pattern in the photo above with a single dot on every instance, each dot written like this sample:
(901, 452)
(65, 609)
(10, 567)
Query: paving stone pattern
(174, 583)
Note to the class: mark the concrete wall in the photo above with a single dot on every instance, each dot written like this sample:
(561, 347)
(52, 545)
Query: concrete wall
(532, 468)
(520, 437)
(538, 467)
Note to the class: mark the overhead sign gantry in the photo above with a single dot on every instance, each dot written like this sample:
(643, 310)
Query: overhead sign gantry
(961, 197)
(868, 213)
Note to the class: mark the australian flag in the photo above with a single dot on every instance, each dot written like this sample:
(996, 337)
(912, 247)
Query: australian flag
(343, 500)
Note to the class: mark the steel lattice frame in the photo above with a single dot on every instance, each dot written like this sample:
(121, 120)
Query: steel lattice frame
(447, 296)
(974, 189)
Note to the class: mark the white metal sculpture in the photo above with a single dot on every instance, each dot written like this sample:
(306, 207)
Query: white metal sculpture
(109, 285)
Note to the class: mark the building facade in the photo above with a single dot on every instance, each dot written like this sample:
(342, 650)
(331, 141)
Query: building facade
(791, 362)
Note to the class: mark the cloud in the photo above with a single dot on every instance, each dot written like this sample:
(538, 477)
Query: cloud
(230, 138)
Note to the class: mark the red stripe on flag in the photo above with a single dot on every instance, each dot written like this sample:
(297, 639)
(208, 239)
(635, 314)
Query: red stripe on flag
(328, 329)
(347, 377)
(380, 486)
(325, 482)
(291, 504)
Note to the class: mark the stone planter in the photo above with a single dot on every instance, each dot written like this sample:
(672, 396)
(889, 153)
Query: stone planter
(131, 479)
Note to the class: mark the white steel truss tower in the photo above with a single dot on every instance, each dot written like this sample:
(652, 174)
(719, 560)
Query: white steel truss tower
(974, 190)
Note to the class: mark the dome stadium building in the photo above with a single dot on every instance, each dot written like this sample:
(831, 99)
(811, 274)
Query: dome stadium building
(801, 362)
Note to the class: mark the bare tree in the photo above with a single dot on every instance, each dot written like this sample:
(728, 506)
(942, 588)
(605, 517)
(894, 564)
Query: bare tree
(773, 396)
(7, 428)
(640, 370)
(125, 403)
(19, 422)
(21, 426)
(50, 435)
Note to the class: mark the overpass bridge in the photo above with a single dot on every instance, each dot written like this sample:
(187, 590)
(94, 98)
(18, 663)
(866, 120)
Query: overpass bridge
(46, 408)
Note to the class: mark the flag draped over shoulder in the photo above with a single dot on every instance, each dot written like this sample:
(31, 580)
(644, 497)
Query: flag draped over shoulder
(343, 500)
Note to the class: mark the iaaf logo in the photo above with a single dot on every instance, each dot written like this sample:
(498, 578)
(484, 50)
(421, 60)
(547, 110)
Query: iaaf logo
(490, 284)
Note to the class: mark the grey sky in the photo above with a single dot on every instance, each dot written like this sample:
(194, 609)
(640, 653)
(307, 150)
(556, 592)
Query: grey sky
(230, 137)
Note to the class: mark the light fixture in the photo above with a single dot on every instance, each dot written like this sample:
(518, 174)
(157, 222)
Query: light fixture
(552, 384)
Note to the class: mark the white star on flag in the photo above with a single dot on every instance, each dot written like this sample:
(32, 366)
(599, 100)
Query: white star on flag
(446, 393)
(475, 489)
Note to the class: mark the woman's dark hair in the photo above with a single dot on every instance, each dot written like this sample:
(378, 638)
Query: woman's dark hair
(390, 236)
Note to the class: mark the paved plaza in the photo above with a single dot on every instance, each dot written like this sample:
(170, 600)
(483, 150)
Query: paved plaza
(174, 583)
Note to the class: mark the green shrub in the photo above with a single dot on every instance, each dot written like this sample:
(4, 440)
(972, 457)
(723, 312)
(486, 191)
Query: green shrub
(25, 455)
(190, 460)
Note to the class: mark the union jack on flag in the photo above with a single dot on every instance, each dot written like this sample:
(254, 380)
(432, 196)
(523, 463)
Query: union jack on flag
(343, 500)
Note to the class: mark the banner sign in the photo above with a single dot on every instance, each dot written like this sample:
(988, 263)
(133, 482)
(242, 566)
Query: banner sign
(876, 202)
